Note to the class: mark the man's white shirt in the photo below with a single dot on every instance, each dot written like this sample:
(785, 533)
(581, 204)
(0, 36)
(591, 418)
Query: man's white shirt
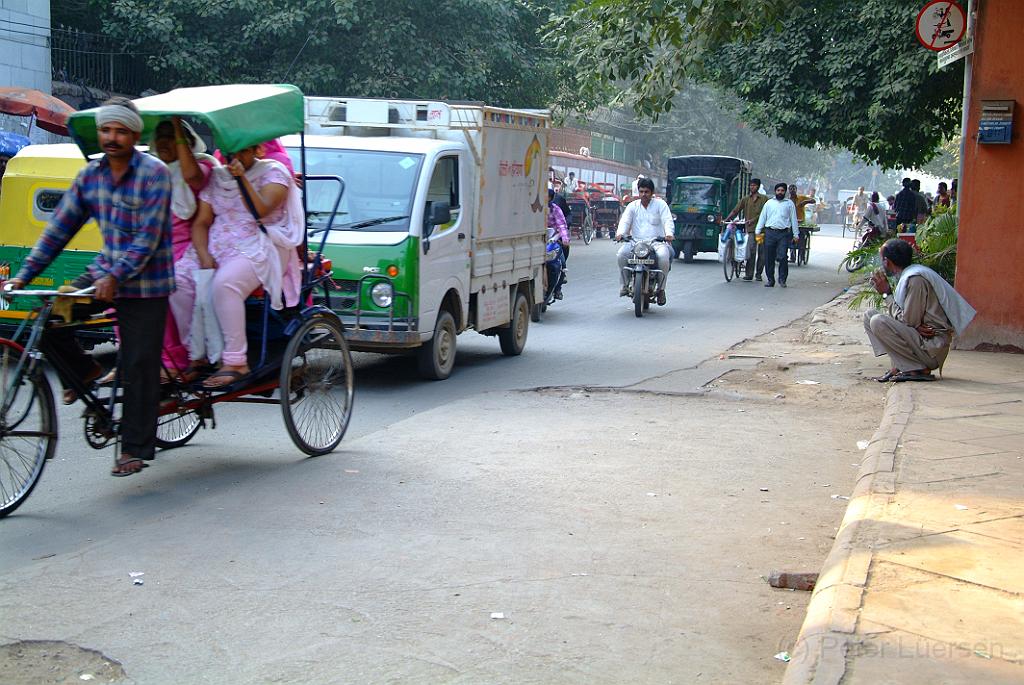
(776, 214)
(641, 222)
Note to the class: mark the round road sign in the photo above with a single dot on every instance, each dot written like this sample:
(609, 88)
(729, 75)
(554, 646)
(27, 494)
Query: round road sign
(941, 24)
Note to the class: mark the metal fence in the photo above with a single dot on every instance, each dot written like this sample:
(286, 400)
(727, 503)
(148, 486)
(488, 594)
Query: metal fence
(97, 61)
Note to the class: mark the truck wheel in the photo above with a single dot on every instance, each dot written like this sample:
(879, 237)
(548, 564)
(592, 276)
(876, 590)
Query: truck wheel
(688, 251)
(436, 358)
(513, 338)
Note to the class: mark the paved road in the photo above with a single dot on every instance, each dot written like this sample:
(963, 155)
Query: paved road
(590, 338)
(221, 493)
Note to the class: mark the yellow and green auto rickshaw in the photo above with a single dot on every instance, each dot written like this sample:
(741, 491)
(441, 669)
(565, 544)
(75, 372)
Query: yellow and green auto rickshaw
(33, 185)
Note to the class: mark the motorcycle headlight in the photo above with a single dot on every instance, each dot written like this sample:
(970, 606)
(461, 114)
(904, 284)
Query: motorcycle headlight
(642, 250)
(382, 294)
(711, 218)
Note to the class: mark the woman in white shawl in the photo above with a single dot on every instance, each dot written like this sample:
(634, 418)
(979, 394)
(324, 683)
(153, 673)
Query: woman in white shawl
(178, 146)
(227, 237)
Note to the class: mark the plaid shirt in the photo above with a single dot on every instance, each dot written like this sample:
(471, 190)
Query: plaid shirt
(134, 219)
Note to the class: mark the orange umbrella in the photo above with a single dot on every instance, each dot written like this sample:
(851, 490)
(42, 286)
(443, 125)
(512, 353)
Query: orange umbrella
(50, 113)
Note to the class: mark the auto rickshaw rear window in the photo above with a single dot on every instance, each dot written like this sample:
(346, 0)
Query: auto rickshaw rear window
(47, 200)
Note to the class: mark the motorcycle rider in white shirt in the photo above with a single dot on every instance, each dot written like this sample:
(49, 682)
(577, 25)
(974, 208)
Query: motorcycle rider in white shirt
(645, 219)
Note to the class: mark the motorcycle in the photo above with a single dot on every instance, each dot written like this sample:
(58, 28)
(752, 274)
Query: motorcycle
(555, 264)
(643, 278)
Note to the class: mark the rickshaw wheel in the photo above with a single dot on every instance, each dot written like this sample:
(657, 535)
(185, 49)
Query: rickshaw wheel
(588, 231)
(28, 430)
(177, 429)
(317, 386)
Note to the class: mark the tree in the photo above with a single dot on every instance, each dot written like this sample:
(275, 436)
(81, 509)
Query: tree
(829, 73)
(391, 48)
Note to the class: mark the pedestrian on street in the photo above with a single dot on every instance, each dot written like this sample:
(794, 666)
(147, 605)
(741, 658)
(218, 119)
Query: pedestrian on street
(905, 205)
(922, 208)
(924, 312)
(750, 207)
(775, 228)
(860, 203)
(128, 193)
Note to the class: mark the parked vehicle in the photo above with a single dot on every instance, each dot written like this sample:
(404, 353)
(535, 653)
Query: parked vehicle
(581, 218)
(33, 186)
(607, 210)
(443, 221)
(643, 278)
(701, 190)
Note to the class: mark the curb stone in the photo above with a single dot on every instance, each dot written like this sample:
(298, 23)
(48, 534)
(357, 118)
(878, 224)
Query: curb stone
(819, 654)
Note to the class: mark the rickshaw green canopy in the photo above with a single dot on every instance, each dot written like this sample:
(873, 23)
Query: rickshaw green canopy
(238, 115)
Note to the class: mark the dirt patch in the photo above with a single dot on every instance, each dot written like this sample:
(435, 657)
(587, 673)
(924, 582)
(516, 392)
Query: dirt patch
(30, 662)
(820, 360)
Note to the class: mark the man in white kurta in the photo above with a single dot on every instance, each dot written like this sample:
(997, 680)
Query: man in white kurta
(645, 219)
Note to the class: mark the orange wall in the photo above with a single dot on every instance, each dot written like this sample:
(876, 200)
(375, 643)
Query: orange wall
(990, 260)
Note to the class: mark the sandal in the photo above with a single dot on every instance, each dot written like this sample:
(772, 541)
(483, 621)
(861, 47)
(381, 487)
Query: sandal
(887, 376)
(912, 376)
(232, 376)
(127, 465)
(70, 394)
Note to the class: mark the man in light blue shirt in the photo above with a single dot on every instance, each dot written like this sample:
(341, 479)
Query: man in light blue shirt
(775, 229)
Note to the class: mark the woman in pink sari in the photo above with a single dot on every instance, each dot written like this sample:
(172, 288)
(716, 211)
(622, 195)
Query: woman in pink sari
(227, 237)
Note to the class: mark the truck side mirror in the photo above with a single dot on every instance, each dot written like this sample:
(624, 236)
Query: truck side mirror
(438, 214)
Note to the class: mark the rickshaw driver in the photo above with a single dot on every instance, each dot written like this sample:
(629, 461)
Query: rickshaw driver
(647, 218)
(128, 193)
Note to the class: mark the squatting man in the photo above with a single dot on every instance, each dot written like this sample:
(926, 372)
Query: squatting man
(923, 313)
(646, 218)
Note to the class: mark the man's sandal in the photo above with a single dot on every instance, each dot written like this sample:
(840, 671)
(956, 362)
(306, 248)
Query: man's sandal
(909, 376)
(127, 465)
(69, 396)
(887, 376)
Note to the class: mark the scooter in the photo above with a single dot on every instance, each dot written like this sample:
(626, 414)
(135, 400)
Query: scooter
(872, 235)
(643, 278)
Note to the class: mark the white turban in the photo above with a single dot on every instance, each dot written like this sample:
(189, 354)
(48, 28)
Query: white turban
(121, 114)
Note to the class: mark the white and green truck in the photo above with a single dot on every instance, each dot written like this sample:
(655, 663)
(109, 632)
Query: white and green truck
(441, 226)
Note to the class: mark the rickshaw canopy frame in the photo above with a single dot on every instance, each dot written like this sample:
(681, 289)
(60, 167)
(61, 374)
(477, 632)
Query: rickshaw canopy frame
(239, 115)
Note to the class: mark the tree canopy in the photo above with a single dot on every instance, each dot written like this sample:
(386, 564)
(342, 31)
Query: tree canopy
(830, 73)
(397, 48)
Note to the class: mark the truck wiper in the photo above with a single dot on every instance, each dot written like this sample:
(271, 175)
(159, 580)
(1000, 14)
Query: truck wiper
(373, 222)
(359, 224)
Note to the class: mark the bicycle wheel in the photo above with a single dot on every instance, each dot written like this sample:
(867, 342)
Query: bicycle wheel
(317, 386)
(177, 428)
(728, 261)
(588, 231)
(28, 429)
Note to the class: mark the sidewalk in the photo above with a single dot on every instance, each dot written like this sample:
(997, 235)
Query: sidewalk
(924, 583)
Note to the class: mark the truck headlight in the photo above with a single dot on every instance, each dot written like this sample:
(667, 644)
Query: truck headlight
(711, 218)
(382, 294)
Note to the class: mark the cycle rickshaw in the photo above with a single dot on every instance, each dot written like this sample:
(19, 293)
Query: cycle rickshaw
(298, 355)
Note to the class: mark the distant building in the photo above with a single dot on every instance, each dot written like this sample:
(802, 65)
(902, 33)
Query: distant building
(25, 55)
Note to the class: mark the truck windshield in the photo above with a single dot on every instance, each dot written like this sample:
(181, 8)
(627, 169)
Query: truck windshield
(379, 188)
(695, 193)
